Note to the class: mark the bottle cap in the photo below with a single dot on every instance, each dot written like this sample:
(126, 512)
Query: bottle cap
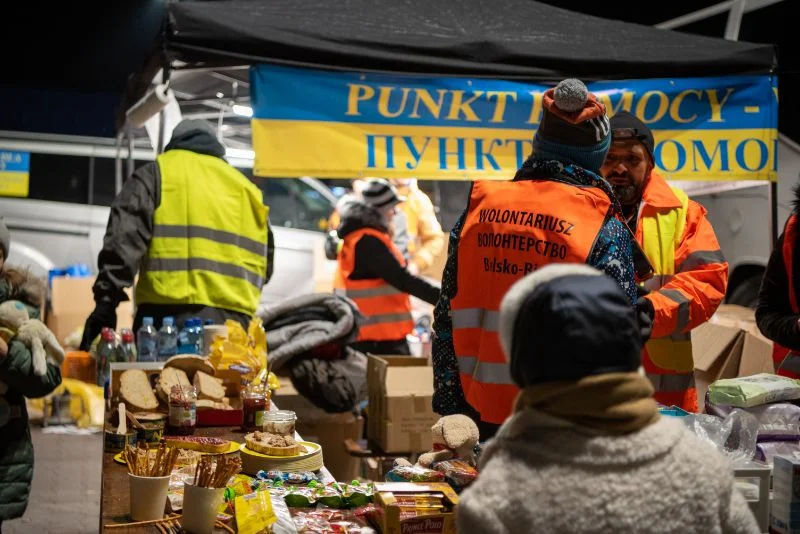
(147, 321)
(169, 321)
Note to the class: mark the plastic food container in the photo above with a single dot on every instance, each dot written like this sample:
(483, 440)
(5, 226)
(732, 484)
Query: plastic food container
(280, 422)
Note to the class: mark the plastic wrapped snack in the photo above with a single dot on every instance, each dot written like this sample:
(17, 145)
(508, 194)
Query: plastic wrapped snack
(457, 473)
(254, 513)
(330, 495)
(300, 497)
(749, 391)
(357, 494)
(413, 473)
(289, 478)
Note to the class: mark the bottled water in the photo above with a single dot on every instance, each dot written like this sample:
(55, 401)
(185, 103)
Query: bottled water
(167, 339)
(147, 340)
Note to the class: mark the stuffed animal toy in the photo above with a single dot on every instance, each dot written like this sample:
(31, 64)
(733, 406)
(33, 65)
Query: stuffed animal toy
(15, 322)
(454, 436)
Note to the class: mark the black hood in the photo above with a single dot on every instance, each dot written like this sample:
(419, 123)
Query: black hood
(355, 215)
(197, 138)
(564, 323)
(796, 200)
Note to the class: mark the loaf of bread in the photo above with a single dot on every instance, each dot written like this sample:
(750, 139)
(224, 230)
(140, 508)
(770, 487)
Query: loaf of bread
(208, 387)
(136, 392)
(190, 364)
(171, 376)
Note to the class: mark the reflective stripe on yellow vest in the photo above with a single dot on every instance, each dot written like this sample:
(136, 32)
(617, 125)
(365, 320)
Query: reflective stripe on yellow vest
(386, 310)
(662, 232)
(209, 236)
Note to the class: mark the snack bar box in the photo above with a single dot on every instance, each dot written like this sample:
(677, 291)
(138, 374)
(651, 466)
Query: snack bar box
(386, 496)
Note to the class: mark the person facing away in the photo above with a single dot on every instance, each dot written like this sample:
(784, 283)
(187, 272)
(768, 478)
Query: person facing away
(373, 273)
(558, 209)
(586, 449)
(778, 312)
(196, 230)
(18, 381)
(691, 274)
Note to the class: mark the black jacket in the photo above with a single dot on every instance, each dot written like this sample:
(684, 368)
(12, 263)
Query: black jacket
(774, 314)
(130, 224)
(373, 259)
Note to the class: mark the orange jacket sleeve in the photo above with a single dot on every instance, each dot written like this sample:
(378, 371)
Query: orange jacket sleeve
(693, 294)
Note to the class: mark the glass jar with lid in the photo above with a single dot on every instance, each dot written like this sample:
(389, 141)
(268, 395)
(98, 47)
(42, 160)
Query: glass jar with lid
(182, 410)
(281, 422)
(255, 403)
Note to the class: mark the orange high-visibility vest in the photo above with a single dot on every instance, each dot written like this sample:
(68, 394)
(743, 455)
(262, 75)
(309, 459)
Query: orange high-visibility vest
(787, 362)
(511, 229)
(386, 309)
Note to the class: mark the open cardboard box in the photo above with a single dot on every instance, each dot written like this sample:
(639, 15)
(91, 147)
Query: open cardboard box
(400, 403)
(71, 302)
(387, 494)
(729, 345)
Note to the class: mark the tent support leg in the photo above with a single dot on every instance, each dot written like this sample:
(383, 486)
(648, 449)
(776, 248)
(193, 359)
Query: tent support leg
(773, 212)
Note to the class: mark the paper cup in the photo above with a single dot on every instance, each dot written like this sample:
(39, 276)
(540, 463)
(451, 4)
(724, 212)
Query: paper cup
(148, 497)
(200, 508)
(210, 331)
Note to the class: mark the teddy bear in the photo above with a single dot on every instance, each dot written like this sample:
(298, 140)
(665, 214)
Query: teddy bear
(15, 322)
(454, 436)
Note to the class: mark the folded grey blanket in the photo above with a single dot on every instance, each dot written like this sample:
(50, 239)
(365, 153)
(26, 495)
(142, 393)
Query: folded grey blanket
(295, 338)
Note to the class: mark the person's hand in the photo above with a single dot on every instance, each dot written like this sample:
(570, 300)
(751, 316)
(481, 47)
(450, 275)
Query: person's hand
(413, 268)
(3, 348)
(645, 315)
(103, 316)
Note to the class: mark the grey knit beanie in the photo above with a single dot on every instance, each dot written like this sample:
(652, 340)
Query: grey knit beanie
(5, 239)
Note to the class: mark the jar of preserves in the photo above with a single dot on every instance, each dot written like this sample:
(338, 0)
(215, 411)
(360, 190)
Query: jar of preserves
(255, 403)
(182, 410)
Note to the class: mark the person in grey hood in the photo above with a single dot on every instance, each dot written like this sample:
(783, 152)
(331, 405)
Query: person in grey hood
(195, 230)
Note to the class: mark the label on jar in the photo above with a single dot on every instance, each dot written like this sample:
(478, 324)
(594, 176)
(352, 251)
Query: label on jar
(183, 415)
(259, 418)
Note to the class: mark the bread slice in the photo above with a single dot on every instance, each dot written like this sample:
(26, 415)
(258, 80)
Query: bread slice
(208, 404)
(272, 444)
(208, 387)
(190, 364)
(136, 392)
(171, 376)
(198, 443)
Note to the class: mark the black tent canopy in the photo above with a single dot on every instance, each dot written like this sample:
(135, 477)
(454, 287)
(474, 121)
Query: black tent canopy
(508, 39)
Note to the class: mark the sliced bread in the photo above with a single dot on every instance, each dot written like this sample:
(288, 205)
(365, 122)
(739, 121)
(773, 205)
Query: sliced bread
(208, 387)
(136, 392)
(171, 376)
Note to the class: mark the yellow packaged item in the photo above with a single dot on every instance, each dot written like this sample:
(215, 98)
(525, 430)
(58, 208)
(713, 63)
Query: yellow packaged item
(242, 351)
(254, 513)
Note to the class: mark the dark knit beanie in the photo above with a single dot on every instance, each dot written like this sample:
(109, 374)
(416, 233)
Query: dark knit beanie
(625, 125)
(574, 127)
(5, 239)
(379, 193)
(566, 322)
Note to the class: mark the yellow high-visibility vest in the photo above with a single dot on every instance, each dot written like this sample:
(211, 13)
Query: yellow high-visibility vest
(662, 233)
(209, 236)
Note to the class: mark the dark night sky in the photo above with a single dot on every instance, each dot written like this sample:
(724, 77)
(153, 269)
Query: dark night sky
(64, 67)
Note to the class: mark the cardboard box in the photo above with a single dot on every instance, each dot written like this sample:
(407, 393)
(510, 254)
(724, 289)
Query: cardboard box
(386, 495)
(71, 302)
(328, 429)
(400, 403)
(729, 345)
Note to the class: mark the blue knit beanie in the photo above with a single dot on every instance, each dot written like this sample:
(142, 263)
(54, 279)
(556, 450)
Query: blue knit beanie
(574, 128)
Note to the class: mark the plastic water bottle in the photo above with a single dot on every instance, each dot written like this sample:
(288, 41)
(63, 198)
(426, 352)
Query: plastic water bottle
(147, 339)
(198, 332)
(167, 339)
(126, 352)
(105, 353)
(188, 337)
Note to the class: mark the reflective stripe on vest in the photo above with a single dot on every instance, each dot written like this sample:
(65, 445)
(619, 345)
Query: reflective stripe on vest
(510, 230)
(386, 310)
(662, 233)
(209, 236)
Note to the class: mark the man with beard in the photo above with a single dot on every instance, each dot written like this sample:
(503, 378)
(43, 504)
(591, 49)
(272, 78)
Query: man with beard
(691, 272)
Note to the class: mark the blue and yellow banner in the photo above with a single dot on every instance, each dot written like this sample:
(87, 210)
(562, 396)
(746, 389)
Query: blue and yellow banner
(347, 125)
(14, 173)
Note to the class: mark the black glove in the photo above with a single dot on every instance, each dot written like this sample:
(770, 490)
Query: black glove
(332, 245)
(104, 315)
(645, 315)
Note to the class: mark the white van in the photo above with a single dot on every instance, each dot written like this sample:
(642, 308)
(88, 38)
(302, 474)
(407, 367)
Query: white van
(63, 218)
